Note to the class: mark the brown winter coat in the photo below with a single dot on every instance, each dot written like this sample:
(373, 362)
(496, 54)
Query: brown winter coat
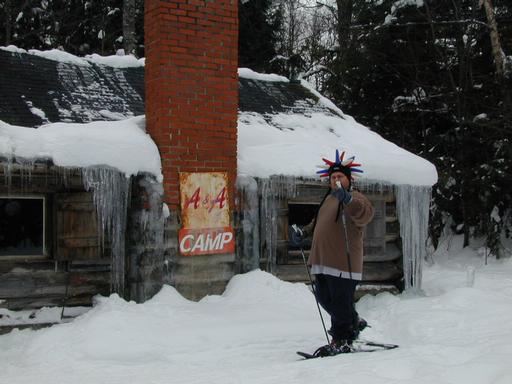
(328, 247)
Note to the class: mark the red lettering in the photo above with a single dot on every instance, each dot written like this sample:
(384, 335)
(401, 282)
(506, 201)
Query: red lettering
(194, 199)
(220, 199)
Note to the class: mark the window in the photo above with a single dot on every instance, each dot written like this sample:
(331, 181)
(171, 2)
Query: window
(22, 226)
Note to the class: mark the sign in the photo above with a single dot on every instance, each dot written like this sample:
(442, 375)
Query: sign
(206, 241)
(205, 214)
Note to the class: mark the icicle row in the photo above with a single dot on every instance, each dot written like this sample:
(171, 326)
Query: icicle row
(412, 203)
(272, 190)
(250, 223)
(111, 191)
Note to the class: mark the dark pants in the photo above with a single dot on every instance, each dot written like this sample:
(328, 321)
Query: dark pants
(336, 296)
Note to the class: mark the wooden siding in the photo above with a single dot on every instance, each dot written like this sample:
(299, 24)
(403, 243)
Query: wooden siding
(382, 251)
(73, 268)
(76, 229)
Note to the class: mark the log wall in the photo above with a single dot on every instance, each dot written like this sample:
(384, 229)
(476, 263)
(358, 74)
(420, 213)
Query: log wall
(73, 267)
(382, 268)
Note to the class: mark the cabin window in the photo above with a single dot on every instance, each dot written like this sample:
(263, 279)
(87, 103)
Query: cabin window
(22, 226)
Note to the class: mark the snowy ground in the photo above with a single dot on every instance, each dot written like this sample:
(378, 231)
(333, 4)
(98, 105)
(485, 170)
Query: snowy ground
(455, 332)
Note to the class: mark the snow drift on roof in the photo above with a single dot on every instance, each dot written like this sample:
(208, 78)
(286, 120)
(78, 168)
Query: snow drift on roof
(117, 61)
(289, 143)
(247, 73)
(119, 144)
(294, 144)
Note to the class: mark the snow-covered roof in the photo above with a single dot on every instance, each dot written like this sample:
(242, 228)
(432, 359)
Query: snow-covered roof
(123, 145)
(39, 87)
(289, 143)
(117, 61)
(284, 127)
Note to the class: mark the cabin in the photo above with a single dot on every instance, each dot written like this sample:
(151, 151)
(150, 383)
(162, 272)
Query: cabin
(285, 128)
(78, 215)
(96, 199)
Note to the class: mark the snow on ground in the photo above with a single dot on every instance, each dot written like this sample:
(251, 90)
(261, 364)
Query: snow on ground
(452, 333)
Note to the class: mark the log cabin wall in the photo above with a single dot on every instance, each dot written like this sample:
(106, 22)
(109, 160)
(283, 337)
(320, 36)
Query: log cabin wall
(146, 265)
(71, 268)
(382, 270)
(75, 262)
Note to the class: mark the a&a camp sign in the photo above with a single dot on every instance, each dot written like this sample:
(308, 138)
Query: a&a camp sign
(205, 214)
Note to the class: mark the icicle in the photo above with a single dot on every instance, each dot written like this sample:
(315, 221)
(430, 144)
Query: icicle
(111, 191)
(147, 226)
(412, 205)
(272, 190)
(7, 171)
(250, 222)
(371, 186)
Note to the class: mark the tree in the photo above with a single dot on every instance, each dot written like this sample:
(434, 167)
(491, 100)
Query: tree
(424, 76)
(129, 37)
(258, 24)
(76, 26)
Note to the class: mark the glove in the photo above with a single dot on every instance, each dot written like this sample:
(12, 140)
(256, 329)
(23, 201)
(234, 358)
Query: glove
(342, 195)
(296, 236)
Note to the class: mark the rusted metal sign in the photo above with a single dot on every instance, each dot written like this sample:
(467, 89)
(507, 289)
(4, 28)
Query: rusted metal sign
(205, 214)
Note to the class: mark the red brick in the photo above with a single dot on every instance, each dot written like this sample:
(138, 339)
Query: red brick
(192, 87)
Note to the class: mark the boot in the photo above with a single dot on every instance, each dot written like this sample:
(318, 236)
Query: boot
(342, 346)
(361, 324)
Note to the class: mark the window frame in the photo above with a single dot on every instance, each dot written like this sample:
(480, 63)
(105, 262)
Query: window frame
(45, 253)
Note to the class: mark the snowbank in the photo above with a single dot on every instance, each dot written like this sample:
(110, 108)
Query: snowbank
(457, 331)
(119, 144)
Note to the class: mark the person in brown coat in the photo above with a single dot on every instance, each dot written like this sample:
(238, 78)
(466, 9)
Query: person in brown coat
(336, 257)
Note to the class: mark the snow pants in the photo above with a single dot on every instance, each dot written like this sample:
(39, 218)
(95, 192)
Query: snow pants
(336, 296)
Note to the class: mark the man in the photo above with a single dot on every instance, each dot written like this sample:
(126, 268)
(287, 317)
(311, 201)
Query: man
(336, 256)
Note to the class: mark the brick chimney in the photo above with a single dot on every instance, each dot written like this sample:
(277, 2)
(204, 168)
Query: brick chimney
(191, 113)
(192, 87)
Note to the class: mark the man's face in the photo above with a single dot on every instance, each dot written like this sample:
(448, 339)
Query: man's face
(339, 176)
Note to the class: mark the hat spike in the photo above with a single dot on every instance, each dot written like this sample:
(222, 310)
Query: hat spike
(339, 162)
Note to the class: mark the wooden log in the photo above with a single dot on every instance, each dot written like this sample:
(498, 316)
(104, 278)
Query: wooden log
(80, 242)
(23, 303)
(35, 265)
(374, 272)
(46, 283)
(391, 253)
(374, 289)
(4, 329)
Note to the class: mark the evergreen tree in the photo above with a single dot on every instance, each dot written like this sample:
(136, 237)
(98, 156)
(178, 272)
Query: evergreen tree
(258, 24)
(424, 77)
(76, 26)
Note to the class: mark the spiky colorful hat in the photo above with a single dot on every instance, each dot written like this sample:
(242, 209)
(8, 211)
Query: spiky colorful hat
(340, 164)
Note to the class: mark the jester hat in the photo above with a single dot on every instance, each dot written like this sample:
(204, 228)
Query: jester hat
(340, 164)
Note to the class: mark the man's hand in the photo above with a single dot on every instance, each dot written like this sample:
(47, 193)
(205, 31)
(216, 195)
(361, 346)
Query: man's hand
(296, 236)
(342, 195)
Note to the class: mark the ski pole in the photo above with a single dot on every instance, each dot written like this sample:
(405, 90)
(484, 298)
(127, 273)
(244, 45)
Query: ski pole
(347, 248)
(314, 294)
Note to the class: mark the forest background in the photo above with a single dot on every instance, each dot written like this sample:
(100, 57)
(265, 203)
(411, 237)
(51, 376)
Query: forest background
(434, 77)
